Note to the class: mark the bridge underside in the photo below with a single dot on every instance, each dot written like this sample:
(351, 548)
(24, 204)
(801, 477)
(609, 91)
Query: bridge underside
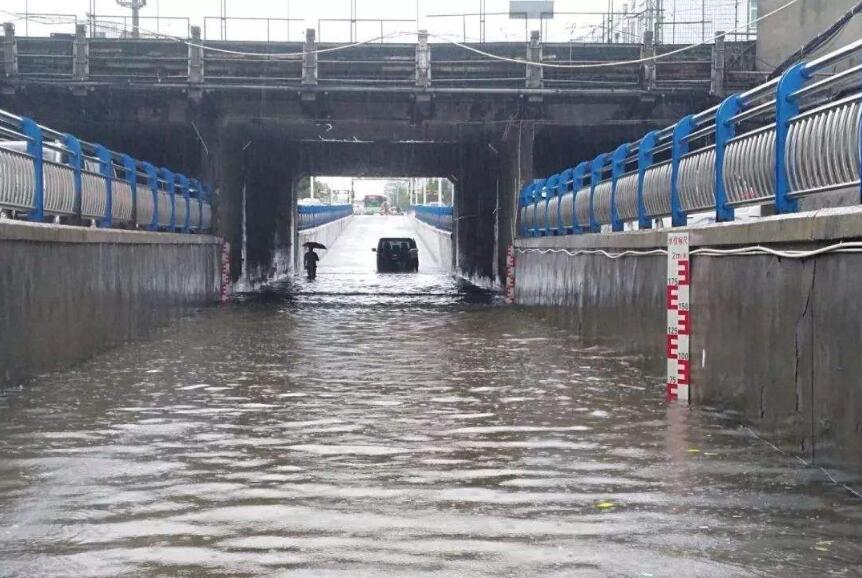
(256, 144)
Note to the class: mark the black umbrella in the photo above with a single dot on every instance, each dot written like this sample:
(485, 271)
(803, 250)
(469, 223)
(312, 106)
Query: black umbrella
(314, 245)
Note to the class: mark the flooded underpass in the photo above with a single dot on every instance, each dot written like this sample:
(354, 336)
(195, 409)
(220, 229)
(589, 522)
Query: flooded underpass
(393, 425)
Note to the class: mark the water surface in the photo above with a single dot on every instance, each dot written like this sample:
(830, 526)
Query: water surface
(366, 425)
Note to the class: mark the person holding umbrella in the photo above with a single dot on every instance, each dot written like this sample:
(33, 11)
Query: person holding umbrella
(310, 258)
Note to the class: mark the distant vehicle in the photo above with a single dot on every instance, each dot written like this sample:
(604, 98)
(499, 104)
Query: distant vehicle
(375, 204)
(357, 209)
(310, 202)
(397, 255)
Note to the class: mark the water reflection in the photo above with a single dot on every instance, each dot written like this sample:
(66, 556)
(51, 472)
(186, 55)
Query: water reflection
(392, 426)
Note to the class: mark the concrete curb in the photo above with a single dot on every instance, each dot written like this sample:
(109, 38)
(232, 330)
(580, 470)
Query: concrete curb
(833, 224)
(49, 233)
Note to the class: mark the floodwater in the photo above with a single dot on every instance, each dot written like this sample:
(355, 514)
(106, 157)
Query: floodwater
(366, 425)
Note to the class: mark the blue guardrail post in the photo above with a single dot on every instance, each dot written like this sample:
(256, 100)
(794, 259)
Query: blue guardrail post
(786, 107)
(725, 130)
(33, 133)
(105, 166)
(679, 147)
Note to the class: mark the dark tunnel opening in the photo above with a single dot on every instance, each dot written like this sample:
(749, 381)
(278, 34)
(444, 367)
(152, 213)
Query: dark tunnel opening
(258, 147)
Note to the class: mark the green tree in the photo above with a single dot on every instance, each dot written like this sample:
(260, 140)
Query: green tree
(398, 193)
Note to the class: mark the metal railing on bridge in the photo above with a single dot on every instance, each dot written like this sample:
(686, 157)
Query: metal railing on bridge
(49, 175)
(447, 67)
(311, 216)
(793, 137)
(434, 215)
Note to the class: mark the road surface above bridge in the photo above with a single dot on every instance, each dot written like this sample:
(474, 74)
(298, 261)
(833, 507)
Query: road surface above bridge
(392, 425)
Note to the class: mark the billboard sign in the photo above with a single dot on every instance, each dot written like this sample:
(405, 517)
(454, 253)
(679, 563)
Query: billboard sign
(531, 9)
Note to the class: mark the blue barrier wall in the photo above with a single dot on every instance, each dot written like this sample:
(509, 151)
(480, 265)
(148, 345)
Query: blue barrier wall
(434, 215)
(795, 137)
(310, 216)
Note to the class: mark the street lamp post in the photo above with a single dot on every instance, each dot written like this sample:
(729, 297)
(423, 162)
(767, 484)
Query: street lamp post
(136, 6)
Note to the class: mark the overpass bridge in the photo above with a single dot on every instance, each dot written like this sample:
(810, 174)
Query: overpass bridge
(260, 115)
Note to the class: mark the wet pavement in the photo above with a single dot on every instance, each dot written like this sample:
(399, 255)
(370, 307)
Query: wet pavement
(398, 425)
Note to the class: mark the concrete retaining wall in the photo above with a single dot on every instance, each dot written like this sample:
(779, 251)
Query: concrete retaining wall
(435, 247)
(776, 339)
(67, 293)
(326, 234)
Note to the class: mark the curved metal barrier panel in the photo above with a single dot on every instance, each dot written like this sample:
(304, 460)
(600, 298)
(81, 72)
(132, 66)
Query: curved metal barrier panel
(310, 216)
(434, 215)
(48, 175)
(792, 137)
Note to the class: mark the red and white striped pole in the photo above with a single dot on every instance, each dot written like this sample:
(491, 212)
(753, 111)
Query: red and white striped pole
(678, 318)
(225, 271)
(510, 275)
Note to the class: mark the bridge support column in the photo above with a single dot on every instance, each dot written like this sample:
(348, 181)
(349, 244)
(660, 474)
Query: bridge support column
(422, 99)
(255, 205)
(648, 67)
(80, 54)
(10, 51)
(491, 172)
(309, 72)
(309, 59)
(535, 73)
(474, 224)
(719, 63)
(196, 64)
(423, 61)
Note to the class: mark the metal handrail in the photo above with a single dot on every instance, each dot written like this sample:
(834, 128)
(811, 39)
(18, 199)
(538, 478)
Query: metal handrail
(792, 147)
(48, 174)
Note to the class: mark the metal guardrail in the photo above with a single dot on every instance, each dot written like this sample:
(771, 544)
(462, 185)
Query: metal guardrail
(793, 137)
(234, 28)
(311, 216)
(434, 215)
(122, 26)
(393, 66)
(45, 174)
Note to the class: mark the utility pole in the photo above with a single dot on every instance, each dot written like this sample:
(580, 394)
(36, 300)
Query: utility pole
(439, 191)
(736, 19)
(353, 20)
(311, 187)
(224, 19)
(92, 16)
(482, 21)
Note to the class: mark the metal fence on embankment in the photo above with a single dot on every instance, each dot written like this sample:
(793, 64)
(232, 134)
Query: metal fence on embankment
(311, 216)
(49, 175)
(793, 137)
(437, 63)
(434, 215)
